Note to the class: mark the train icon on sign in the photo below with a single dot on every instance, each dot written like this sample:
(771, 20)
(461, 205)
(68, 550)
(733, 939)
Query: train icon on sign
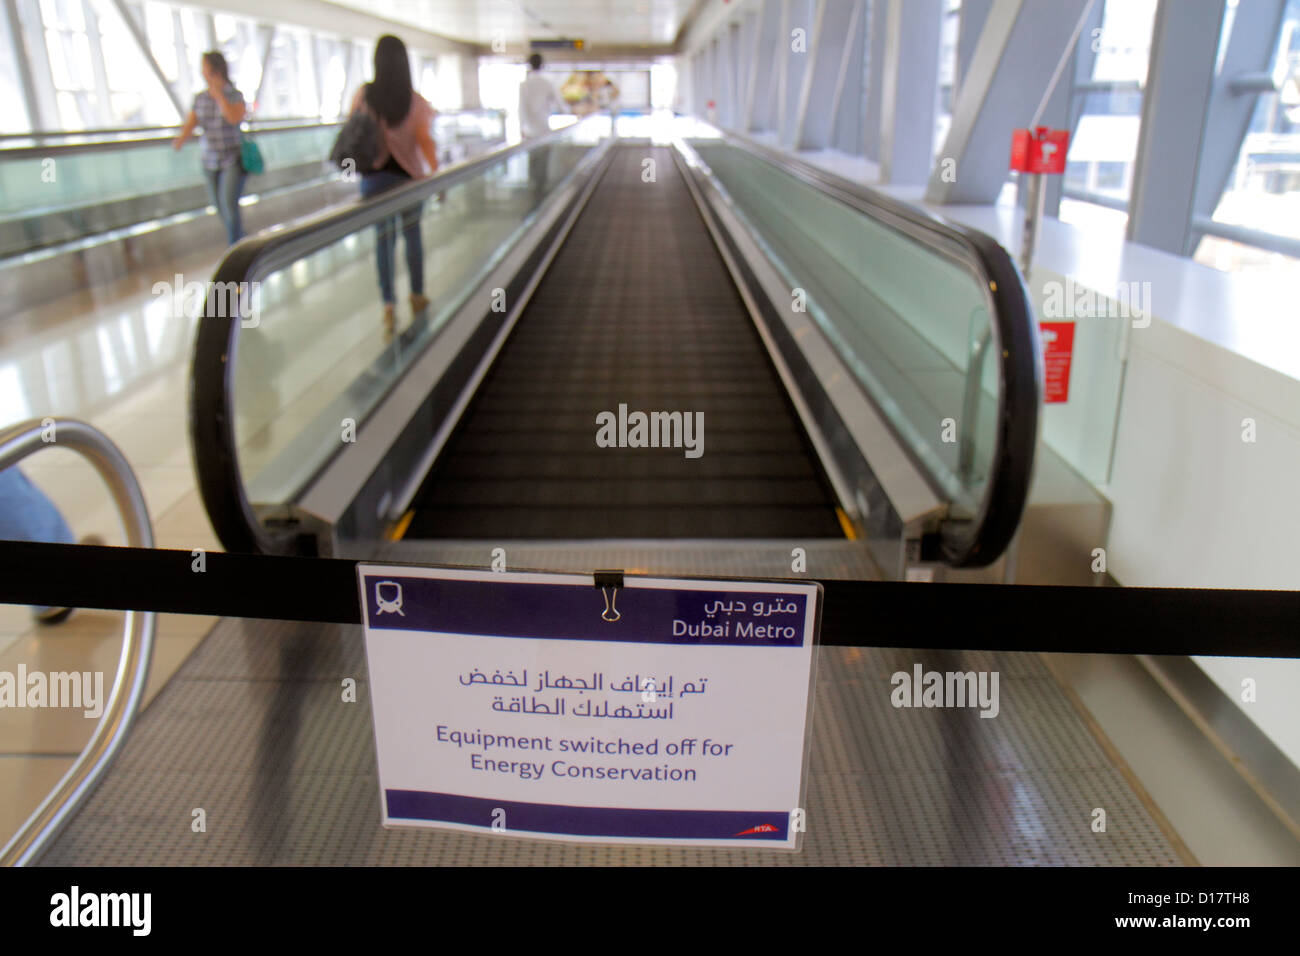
(388, 601)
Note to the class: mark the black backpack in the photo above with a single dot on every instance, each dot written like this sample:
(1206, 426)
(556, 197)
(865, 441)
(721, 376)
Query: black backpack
(358, 142)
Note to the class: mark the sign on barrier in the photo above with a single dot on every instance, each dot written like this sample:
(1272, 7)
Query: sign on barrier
(540, 705)
(1058, 350)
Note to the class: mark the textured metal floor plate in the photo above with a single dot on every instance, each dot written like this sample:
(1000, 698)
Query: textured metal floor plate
(254, 731)
(636, 311)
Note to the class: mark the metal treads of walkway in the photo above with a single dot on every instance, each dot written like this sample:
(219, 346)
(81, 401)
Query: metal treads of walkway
(638, 310)
(253, 730)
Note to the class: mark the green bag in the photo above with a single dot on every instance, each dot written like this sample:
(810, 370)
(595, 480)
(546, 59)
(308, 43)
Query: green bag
(250, 157)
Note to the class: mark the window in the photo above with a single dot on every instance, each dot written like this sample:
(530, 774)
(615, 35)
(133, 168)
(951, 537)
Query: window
(68, 47)
(948, 32)
(1106, 111)
(290, 86)
(237, 39)
(135, 96)
(97, 77)
(14, 118)
(1263, 191)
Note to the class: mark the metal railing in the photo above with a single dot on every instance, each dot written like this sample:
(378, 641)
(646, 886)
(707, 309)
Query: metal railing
(49, 819)
(1012, 338)
(216, 344)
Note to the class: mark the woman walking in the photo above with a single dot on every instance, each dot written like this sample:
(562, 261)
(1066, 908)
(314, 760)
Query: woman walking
(219, 110)
(406, 152)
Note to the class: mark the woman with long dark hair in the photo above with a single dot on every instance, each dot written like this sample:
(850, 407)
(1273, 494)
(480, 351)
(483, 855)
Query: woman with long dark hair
(407, 152)
(219, 110)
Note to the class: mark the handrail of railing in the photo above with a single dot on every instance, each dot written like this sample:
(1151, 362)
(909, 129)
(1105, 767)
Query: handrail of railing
(164, 136)
(162, 133)
(216, 341)
(1015, 346)
(160, 128)
(48, 820)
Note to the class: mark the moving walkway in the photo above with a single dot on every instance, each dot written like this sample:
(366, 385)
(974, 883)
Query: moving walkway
(867, 378)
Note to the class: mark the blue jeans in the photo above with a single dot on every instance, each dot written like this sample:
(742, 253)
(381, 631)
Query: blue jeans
(225, 186)
(27, 515)
(372, 184)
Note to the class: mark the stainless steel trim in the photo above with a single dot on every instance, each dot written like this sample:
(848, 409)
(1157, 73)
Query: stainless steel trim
(1250, 751)
(49, 819)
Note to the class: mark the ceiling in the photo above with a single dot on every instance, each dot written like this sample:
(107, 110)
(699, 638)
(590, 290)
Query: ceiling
(515, 22)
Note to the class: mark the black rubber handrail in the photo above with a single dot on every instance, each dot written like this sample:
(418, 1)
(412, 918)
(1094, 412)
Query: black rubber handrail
(980, 540)
(164, 135)
(46, 142)
(267, 122)
(212, 439)
(156, 128)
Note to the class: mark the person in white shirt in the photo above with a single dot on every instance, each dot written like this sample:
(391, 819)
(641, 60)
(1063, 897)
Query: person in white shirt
(537, 101)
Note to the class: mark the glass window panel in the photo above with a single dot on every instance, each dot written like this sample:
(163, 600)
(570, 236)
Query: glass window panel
(1103, 146)
(13, 118)
(63, 14)
(1125, 41)
(162, 39)
(58, 62)
(69, 112)
(226, 27)
(948, 32)
(1263, 189)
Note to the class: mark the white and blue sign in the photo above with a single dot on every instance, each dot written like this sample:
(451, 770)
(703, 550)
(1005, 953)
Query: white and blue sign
(538, 705)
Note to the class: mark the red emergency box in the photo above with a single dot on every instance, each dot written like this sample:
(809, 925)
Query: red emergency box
(1040, 150)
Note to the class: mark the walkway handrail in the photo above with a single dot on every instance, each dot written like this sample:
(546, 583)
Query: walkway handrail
(1014, 344)
(49, 819)
(216, 341)
(54, 142)
(157, 136)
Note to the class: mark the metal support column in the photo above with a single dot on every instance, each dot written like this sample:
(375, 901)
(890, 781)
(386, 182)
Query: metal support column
(829, 48)
(910, 85)
(1251, 45)
(1022, 47)
(1180, 76)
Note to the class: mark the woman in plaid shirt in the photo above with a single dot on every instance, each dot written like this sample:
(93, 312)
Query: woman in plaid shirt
(219, 110)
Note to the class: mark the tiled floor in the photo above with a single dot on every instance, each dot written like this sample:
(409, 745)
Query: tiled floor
(116, 357)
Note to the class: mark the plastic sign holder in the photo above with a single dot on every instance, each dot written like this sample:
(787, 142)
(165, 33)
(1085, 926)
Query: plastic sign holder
(591, 708)
(1034, 154)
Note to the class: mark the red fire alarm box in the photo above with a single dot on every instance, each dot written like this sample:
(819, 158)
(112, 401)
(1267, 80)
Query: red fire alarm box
(1040, 150)
(1058, 348)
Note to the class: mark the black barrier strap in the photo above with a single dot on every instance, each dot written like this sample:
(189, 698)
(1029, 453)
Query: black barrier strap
(989, 617)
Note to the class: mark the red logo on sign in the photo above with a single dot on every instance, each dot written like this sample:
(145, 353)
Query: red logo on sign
(1058, 346)
(761, 828)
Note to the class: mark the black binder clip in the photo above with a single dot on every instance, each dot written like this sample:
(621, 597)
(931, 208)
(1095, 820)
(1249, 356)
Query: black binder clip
(609, 582)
